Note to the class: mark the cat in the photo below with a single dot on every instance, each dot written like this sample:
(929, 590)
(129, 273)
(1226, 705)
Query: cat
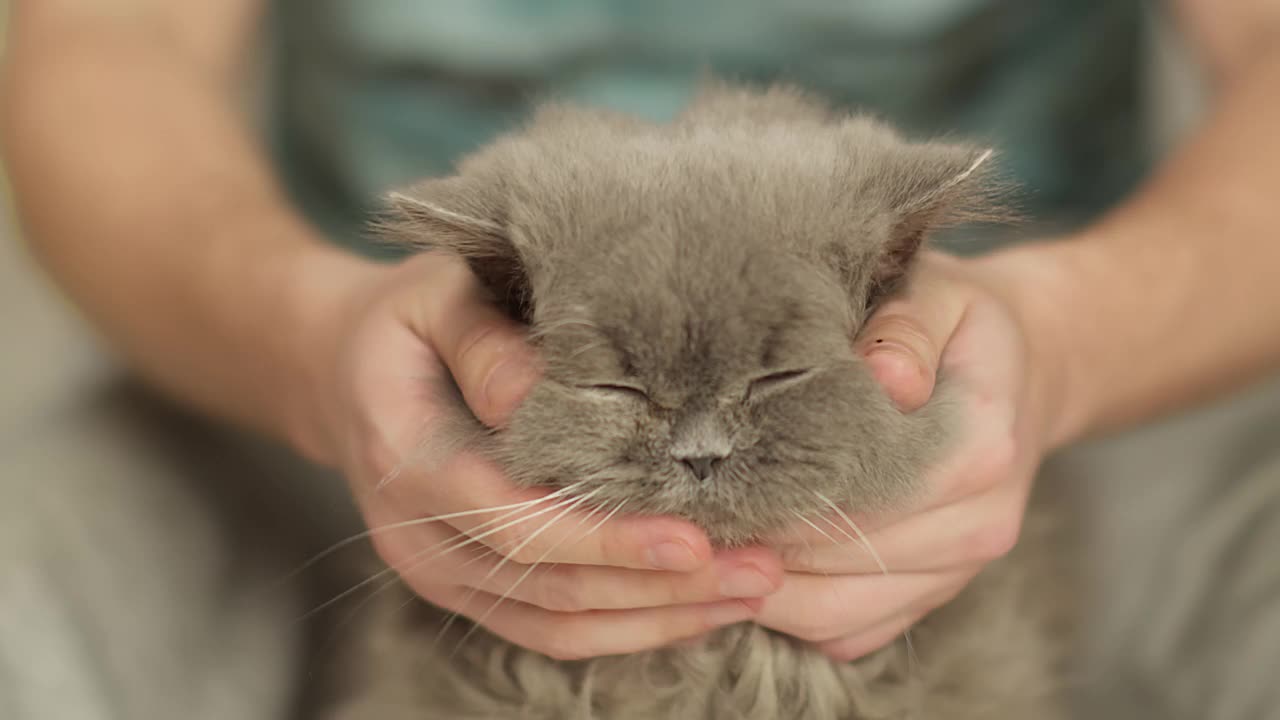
(693, 289)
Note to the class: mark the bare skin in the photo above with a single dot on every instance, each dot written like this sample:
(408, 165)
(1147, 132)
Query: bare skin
(205, 279)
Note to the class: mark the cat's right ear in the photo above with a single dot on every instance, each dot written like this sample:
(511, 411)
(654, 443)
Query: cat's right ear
(928, 186)
(453, 215)
(453, 209)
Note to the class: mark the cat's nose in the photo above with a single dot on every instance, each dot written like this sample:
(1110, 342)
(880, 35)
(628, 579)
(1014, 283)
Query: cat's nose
(701, 466)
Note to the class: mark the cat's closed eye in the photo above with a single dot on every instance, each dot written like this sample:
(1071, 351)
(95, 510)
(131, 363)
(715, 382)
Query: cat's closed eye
(767, 384)
(617, 390)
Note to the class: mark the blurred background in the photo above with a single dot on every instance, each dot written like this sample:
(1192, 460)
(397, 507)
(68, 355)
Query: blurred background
(1137, 484)
(46, 355)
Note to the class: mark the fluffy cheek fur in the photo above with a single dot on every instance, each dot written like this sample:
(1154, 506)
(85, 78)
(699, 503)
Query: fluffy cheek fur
(794, 452)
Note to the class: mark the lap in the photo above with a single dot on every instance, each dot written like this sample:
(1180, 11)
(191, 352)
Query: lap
(1186, 521)
(136, 544)
(138, 550)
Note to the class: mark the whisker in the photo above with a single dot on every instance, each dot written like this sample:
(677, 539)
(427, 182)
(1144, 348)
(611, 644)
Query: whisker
(408, 459)
(835, 589)
(816, 529)
(416, 560)
(570, 502)
(597, 526)
(603, 520)
(496, 549)
(513, 507)
(912, 660)
(862, 537)
(459, 541)
(525, 574)
(383, 588)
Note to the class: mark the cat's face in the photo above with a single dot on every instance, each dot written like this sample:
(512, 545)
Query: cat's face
(735, 402)
(694, 300)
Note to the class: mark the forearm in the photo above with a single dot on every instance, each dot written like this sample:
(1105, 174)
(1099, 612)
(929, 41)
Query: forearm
(145, 196)
(1174, 297)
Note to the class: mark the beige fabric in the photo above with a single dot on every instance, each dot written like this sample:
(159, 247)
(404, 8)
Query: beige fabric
(138, 548)
(1184, 526)
(123, 594)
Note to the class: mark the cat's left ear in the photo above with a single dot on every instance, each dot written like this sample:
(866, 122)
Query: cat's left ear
(929, 186)
(463, 217)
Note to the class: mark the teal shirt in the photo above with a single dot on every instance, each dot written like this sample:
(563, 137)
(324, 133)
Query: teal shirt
(374, 93)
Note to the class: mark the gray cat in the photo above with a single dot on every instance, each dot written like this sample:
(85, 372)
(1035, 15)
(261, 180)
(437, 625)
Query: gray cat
(693, 290)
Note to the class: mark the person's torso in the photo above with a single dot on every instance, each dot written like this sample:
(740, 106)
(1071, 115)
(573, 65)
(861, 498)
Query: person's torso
(375, 93)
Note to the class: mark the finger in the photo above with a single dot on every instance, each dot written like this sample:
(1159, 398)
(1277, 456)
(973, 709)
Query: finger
(904, 339)
(559, 528)
(576, 636)
(986, 357)
(818, 608)
(485, 350)
(748, 573)
(860, 644)
(978, 529)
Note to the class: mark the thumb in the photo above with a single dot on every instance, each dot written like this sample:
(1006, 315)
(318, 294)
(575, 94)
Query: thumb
(904, 339)
(485, 351)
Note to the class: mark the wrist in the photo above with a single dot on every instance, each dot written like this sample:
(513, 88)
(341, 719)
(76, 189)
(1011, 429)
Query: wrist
(323, 288)
(1038, 283)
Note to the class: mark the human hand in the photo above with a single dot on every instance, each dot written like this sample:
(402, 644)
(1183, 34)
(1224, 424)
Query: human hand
(958, 318)
(601, 585)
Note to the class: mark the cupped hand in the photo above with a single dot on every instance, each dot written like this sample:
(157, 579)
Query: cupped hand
(531, 566)
(856, 583)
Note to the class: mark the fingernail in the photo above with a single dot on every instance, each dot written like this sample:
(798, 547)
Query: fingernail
(506, 383)
(729, 613)
(674, 555)
(881, 346)
(903, 374)
(745, 581)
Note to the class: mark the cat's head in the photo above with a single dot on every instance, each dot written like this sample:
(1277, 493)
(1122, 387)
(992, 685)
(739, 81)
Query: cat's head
(693, 291)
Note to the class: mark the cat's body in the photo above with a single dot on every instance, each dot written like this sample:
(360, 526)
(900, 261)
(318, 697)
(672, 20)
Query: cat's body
(693, 290)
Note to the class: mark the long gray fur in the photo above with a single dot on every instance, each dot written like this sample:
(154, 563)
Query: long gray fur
(693, 290)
